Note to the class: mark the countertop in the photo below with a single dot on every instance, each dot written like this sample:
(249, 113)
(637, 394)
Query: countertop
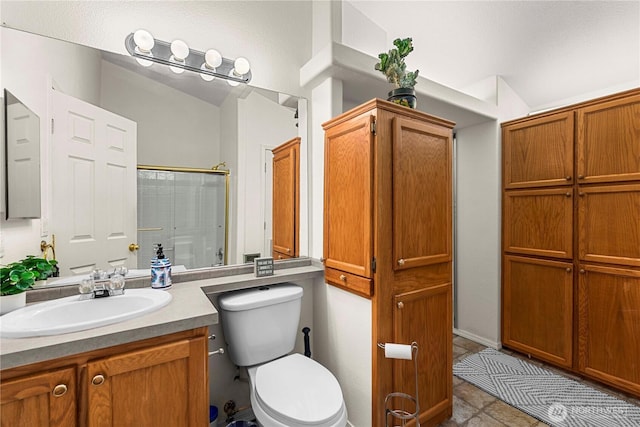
(190, 308)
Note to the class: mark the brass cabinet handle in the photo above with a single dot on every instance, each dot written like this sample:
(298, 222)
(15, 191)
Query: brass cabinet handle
(59, 390)
(288, 250)
(98, 380)
(580, 176)
(400, 305)
(568, 194)
(582, 271)
(401, 261)
(133, 247)
(343, 277)
(568, 269)
(568, 178)
(581, 194)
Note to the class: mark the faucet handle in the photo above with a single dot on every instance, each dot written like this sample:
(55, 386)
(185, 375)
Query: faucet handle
(86, 288)
(116, 285)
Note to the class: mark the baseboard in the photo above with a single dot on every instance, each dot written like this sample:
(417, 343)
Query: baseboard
(478, 339)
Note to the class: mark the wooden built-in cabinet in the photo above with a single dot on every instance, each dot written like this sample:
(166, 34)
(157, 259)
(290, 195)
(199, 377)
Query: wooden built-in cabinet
(156, 382)
(571, 238)
(286, 200)
(387, 237)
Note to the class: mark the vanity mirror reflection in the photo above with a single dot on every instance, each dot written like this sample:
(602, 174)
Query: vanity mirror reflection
(174, 121)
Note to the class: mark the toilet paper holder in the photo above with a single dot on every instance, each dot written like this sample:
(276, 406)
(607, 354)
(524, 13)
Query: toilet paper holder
(409, 408)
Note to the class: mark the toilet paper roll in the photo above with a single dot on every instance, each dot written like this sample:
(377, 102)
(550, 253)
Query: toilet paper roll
(397, 351)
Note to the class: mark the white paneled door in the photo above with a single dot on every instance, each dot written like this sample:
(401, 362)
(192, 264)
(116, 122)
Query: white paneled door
(93, 186)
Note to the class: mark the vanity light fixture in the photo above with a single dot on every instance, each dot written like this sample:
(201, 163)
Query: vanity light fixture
(179, 57)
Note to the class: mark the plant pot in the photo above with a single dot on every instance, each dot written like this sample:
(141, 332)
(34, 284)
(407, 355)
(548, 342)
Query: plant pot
(404, 96)
(12, 302)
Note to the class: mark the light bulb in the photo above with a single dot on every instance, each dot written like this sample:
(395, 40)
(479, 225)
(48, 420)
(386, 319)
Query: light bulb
(241, 66)
(179, 49)
(144, 62)
(206, 77)
(212, 58)
(177, 70)
(144, 40)
(233, 82)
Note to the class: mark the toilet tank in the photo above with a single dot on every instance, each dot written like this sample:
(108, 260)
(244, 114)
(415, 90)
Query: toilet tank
(260, 324)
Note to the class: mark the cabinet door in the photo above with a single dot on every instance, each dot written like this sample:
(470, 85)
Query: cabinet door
(425, 317)
(538, 152)
(421, 193)
(609, 325)
(539, 222)
(166, 385)
(286, 198)
(608, 144)
(41, 400)
(537, 308)
(609, 224)
(348, 177)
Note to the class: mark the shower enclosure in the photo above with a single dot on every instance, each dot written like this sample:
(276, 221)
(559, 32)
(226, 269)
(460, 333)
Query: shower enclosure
(186, 211)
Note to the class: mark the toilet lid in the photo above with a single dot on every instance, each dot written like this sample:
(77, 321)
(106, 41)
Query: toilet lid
(298, 390)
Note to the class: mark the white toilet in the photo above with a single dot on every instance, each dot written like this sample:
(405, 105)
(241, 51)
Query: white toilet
(260, 326)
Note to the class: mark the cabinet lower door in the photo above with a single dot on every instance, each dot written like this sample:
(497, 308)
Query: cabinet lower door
(166, 385)
(425, 317)
(41, 400)
(537, 308)
(609, 325)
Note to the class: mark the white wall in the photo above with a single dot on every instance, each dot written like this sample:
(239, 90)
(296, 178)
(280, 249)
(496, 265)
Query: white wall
(174, 129)
(75, 71)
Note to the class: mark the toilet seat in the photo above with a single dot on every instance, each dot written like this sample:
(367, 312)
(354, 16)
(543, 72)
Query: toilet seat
(298, 391)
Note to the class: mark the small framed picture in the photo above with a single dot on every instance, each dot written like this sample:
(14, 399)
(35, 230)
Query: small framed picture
(263, 266)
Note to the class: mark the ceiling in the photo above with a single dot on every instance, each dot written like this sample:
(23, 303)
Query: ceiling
(546, 51)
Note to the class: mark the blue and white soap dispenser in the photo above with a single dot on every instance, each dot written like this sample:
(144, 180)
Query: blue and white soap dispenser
(160, 270)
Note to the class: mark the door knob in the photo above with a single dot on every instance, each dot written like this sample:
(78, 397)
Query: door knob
(97, 380)
(401, 262)
(59, 390)
(400, 305)
(133, 247)
(343, 277)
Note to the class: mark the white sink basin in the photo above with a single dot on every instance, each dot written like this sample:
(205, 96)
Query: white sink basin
(70, 314)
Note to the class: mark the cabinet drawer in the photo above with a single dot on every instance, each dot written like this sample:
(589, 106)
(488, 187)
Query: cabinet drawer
(350, 282)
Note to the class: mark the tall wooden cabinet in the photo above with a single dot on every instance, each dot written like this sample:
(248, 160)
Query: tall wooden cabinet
(571, 238)
(286, 200)
(387, 237)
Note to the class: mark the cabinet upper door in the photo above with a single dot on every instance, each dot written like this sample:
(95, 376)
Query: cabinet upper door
(608, 144)
(286, 198)
(348, 177)
(538, 152)
(421, 193)
(539, 222)
(40, 400)
(608, 225)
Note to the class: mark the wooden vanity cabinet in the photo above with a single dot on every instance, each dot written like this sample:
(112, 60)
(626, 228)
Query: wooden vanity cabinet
(286, 200)
(596, 227)
(387, 237)
(155, 382)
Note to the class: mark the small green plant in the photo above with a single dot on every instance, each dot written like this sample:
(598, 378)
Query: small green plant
(21, 275)
(393, 67)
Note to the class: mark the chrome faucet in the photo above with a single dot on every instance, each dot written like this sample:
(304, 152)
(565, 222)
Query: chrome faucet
(89, 288)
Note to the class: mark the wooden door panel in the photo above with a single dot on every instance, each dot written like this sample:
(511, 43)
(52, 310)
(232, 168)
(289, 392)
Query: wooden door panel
(539, 222)
(348, 180)
(163, 385)
(286, 198)
(539, 152)
(421, 193)
(609, 228)
(424, 316)
(608, 142)
(537, 308)
(41, 400)
(609, 325)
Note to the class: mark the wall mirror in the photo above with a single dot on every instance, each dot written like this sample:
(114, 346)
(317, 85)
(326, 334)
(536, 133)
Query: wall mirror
(22, 155)
(177, 121)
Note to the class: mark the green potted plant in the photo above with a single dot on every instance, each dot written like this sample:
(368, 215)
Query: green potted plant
(392, 65)
(17, 277)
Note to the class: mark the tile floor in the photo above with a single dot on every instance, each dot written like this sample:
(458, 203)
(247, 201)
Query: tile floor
(472, 407)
